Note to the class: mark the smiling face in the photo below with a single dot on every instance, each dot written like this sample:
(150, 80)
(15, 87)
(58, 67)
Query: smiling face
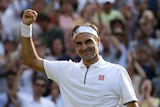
(86, 46)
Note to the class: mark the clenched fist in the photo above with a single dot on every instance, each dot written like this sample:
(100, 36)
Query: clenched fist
(29, 16)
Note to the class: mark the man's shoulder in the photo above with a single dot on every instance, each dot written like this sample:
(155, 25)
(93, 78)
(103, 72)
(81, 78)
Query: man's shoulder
(114, 66)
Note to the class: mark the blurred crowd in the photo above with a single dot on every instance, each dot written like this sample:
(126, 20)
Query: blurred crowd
(130, 36)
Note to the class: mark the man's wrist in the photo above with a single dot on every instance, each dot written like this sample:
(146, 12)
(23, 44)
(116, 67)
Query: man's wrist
(26, 30)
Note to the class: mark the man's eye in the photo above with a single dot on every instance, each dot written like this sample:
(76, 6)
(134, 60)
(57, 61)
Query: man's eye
(78, 44)
(89, 41)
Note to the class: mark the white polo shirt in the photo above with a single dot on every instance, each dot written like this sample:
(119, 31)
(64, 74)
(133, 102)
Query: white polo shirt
(103, 84)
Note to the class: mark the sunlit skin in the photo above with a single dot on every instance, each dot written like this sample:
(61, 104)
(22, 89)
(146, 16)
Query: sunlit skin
(86, 46)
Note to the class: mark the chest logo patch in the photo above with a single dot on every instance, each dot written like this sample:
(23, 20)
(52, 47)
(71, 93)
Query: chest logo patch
(101, 77)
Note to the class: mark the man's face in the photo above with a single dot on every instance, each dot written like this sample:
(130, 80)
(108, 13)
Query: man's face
(107, 7)
(86, 46)
(39, 87)
(39, 47)
(54, 89)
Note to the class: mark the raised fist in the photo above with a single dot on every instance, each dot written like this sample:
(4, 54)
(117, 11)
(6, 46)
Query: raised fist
(29, 16)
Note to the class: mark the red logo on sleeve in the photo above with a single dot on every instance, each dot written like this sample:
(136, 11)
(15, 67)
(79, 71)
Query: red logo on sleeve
(101, 77)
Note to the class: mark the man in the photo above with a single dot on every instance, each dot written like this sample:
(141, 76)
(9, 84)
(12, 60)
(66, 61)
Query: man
(89, 83)
(34, 99)
(8, 99)
(107, 13)
(55, 94)
(49, 31)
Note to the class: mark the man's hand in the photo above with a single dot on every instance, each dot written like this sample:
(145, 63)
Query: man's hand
(29, 16)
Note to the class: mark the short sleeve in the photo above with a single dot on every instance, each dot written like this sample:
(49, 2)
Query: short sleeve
(128, 93)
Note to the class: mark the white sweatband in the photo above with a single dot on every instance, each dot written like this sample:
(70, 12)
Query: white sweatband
(85, 29)
(26, 30)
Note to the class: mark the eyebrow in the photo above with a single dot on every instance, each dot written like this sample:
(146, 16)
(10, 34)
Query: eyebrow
(88, 40)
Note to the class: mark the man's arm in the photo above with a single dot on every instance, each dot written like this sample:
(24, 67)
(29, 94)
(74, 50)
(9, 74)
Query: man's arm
(29, 54)
(132, 104)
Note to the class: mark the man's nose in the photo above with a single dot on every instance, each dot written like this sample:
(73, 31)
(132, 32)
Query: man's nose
(84, 46)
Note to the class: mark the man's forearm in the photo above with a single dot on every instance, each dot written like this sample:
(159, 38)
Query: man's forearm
(28, 51)
(29, 54)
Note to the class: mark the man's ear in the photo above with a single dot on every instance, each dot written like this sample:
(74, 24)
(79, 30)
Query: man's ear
(98, 41)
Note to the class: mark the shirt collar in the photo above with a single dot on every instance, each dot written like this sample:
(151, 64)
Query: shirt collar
(99, 63)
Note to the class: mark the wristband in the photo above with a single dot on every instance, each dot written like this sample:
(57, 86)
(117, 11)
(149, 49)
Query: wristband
(26, 30)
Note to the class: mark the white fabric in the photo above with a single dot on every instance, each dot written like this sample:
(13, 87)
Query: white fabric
(4, 100)
(26, 30)
(58, 100)
(101, 85)
(85, 29)
(8, 19)
(26, 82)
(28, 101)
(104, 1)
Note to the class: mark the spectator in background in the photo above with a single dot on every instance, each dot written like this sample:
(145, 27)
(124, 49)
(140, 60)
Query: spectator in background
(9, 48)
(135, 71)
(8, 99)
(107, 13)
(55, 94)
(86, 12)
(147, 98)
(52, 10)
(151, 22)
(57, 49)
(14, 60)
(135, 76)
(143, 34)
(111, 48)
(141, 5)
(70, 53)
(67, 18)
(39, 5)
(130, 13)
(146, 61)
(9, 16)
(49, 31)
(118, 30)
(35, 99)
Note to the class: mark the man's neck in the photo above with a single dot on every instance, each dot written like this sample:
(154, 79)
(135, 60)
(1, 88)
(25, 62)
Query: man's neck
(37, 97)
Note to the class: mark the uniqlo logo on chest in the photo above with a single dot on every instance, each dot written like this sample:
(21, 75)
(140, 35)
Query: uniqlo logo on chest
(101, 77)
